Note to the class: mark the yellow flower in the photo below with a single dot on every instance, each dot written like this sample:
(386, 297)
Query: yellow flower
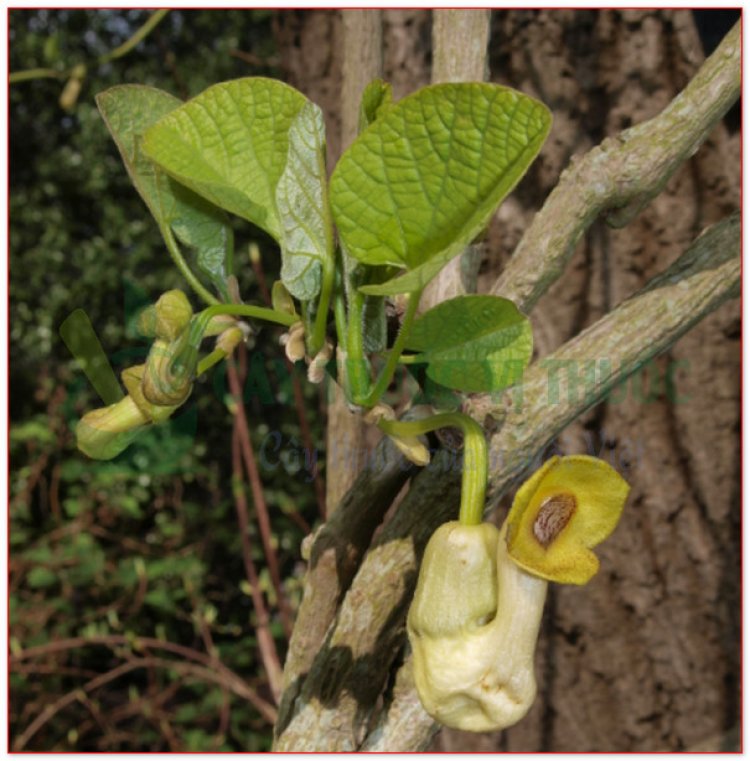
(567, 507)
(474, 620)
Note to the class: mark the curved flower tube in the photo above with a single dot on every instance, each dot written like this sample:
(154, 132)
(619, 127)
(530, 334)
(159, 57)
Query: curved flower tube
(473, 628)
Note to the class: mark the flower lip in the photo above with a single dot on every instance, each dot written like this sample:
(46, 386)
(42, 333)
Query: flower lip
(564, 509)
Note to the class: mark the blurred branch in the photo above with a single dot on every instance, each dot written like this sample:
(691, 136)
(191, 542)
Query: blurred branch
(209, 668)
(28, 74)
(622, 175)
(190, 669)
(242, 433)
(140, 34)
(266, 643)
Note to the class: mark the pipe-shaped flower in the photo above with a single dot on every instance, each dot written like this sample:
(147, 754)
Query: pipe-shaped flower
(475, 617)
(568, 506)
(473, 627)
(105, 432)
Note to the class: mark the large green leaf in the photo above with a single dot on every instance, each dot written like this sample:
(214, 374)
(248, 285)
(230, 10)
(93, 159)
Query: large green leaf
(128, 111)
(230, 145)
(424, 179)
(473, 343)
(302, 204)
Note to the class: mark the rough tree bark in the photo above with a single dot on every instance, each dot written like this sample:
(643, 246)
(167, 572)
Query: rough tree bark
(646, 657)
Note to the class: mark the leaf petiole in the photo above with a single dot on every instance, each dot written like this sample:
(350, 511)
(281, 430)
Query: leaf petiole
(386, 374)
(210, 360)
(246, 310)
(184, 268)
(318, 336)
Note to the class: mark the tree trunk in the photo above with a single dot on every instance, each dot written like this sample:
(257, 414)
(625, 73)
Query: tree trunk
(646, 657)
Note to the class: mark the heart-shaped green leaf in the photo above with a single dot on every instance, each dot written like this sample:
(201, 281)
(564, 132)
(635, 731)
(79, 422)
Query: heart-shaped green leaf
(473, 343)
(128, 111)
(424, 179)
(302, 204)
(230, 145)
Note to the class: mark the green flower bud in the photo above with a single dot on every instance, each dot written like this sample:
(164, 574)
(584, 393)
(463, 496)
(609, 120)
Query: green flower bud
(105, 432)
(72, 89)
(132, 378)
(146, 322)
(229, 339)
(173, 313)
(281, 299)
(167, 381)
(218, 324)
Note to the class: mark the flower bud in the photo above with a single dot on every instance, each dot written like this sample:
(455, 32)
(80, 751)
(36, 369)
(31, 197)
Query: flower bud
(411, 447)
(72, 90)
(146, 322)
(293, 342)
(173, 313)
(281, 299)
(132, 378)
(229, 339)
(316, 370)
(218, 324)
(165, 381)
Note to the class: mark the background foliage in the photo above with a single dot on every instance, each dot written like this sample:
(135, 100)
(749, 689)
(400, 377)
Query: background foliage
(148, 545)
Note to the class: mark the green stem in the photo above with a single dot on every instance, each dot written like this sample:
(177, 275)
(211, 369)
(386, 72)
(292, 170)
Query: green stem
(357, 369)
(318, 337)
(210, 360)
(200, 322)
(142, 32)
(315, 344)
(339, 313)
(184, 268)
(247, 310)
(474, 473)
(386, 374)
(28, 74)
(410, 359)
